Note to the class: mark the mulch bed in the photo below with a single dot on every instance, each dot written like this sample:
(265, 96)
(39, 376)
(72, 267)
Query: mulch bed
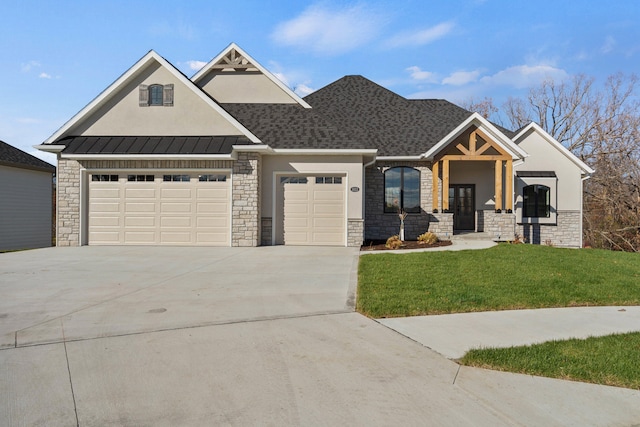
(378, 245)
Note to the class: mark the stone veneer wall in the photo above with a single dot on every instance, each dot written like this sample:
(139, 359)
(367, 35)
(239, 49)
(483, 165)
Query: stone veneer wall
(355, 228)
(246, 200)
(500, 226)
(442, 225)
(567, 232)
(379, 225)
(68, 205)
(245, 182)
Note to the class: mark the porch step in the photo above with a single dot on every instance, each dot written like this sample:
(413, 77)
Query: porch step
(472, 235)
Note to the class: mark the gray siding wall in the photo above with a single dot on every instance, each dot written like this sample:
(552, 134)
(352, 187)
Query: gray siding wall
(25, 208)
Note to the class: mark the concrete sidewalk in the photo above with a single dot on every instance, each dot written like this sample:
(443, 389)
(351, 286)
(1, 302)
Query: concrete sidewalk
(452, 335)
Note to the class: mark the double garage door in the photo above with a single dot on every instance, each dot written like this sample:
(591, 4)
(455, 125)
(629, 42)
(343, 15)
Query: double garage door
(314, 210)
(160, 209)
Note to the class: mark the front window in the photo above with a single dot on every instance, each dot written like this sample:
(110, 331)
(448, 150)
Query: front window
(155, 94)
(537, 201)
(402, 190)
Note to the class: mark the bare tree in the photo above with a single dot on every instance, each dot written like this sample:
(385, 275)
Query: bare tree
(602, 127)
(484, 107)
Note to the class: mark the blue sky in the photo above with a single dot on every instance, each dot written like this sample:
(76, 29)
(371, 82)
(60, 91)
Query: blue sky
(55, 57)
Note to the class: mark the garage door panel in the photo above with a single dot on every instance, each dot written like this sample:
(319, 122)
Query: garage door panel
(104, 207)
(337, 223)
(175, 221)
(135, 207)
(176, 193)
(213, 193)
(327, 209)
(212, 207)
(106, 193)
(320, 195)
(321, 237)
(106, 221)
(139, 237)
(166, 207)
(140, 221)
(140, 193)
(294, 193)
(104, 237)
(160, 212)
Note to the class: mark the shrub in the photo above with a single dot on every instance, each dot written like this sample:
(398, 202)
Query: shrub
(393, 242)
(428, 238)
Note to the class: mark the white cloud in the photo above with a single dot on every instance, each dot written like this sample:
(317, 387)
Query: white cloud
(29, 66)
(418, 74)
(608, 45)
(44, 76)
(327, 31)
(421, 37)
(524, 76)
(195, 65)
(460, 78)
(303, 90)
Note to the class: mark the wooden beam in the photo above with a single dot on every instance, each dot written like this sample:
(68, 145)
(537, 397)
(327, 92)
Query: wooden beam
(472, 142)
(490, 141)
(509, 189)
(475, 157)
(498, 174)
(483, 148)
(445, 184)
(463, 149)
(434, 173)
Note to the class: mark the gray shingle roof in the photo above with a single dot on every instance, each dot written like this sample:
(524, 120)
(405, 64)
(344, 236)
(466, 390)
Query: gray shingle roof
(14, 157)
(151, 144)
(395, 125)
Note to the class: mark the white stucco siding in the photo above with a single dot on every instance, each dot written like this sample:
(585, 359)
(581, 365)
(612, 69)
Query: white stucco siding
(244, 87)
(122, 114)
(348, 166)
(545, 157)
(25, 208)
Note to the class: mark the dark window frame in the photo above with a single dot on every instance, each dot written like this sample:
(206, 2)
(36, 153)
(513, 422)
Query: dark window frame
(392, 208)
(541, 206)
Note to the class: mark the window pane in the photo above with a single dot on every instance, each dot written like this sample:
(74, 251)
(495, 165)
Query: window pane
(155, 95)
(392, 189)
(337, 180)
(411, 190)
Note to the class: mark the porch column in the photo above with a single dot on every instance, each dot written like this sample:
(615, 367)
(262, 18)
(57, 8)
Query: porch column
(509, 189)
(445, 184)
(498, 175)
(434, 174)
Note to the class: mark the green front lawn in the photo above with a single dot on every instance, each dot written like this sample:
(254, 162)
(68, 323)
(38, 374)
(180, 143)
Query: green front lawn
(610, 360)
(501, 278)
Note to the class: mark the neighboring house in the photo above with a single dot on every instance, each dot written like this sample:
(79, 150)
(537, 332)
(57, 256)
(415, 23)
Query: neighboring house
(233, 157)
(26, 212)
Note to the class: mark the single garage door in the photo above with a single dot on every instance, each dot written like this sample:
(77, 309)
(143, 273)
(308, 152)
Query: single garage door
(314, 210)
(159, 209)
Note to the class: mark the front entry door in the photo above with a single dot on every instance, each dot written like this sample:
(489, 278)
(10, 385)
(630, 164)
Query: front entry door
(462, 201)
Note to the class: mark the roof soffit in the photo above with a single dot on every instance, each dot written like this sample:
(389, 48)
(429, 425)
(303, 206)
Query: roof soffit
(235, 59)
(139, 67)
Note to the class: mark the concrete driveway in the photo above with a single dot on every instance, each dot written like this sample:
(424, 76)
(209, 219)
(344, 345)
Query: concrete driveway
(97, 336)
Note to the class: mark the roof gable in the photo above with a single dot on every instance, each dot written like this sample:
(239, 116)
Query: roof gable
(149, 60)
(263, 86)
(534, 127)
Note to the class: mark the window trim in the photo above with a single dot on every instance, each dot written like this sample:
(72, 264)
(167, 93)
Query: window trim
(550, 182)
(401, 206)
(145, 99)
(536, 204)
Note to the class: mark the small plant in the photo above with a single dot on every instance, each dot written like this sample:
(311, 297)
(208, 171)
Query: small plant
(428, 238)
(548, 242)
(393, 242)
(517, 239)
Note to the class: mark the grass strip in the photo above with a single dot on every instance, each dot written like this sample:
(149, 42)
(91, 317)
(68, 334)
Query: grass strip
(609, 360)
(500, 278)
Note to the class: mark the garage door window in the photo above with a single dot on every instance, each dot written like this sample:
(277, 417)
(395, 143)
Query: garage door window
(328, 180)
(293, 180)
(140, 178)
(107, 178)
(212, 178)
(176, 178)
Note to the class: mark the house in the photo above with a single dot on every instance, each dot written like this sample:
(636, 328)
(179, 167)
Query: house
(26, 212)
(233, 157)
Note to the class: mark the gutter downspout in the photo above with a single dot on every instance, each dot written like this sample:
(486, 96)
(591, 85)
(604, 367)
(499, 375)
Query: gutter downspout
(364, 185)
(582, 180)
